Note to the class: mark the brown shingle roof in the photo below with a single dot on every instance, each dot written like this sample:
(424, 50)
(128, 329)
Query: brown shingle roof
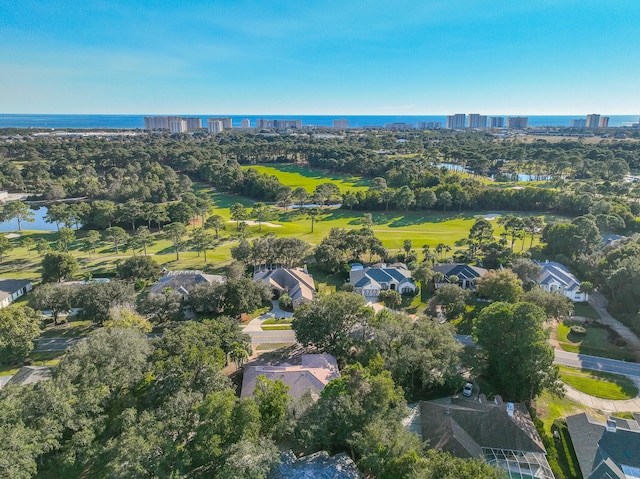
(312, 374)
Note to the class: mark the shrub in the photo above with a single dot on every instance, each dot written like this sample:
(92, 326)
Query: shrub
(285, 302)
(579, 330)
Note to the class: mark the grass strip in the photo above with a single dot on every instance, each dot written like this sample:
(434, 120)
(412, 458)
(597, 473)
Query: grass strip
(599, 384)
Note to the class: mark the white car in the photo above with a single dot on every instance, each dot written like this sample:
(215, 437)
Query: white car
(467, 390)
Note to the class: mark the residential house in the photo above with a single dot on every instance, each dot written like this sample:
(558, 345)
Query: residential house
(306, 373)
(369, 281)
(12, 289)
(608, 450)
(555, 277)
(502, 434)
(466, 274)
(184, 281)
(296, 282)
(318, 465)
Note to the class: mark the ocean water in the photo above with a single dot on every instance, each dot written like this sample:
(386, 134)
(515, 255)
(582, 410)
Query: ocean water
(355, 121)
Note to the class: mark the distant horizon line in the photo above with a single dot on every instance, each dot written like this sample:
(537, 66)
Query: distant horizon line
(321, 114)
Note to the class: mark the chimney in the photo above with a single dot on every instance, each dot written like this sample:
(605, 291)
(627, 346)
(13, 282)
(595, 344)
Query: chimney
(611, 425)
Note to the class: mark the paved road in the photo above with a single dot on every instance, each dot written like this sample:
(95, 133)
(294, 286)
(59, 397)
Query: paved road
(565, 358)
(257, 337)
(56, 344)
(282, 336)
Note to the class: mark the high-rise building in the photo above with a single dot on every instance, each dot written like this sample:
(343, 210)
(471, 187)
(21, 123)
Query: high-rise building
(578, 123)
(604, 122)
(593, 120)
(429, 125)
(214, 125)
(178, 126)
(340, 124)
(477, 121)
(279, 124)
(156, 123)
(226, 122)
(287, 124)
(193, 123)
(246, 123)
(496, 122)
(399, 126)
(164, 123)
(456, 121)
(517, 122)
(264, 124)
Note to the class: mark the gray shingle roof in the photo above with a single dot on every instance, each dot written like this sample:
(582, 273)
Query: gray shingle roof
(184, 281)
(461, 270)
(9, 287)
(298, 283)
(552, 271)
(463, 426)
(600, 451)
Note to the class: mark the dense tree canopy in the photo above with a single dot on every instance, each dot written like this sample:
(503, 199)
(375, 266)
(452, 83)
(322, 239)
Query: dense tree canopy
(516, 350)
(19, 326)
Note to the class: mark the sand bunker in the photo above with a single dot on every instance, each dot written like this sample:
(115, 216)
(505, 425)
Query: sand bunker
(255, 223)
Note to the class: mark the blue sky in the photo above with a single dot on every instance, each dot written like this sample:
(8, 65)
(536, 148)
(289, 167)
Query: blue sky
(320, 57)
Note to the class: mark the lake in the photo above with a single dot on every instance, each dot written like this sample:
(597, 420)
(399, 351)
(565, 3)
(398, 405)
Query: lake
(521, 176)
(39, 223)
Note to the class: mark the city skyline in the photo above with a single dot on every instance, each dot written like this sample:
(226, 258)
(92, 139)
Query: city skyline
(333, 58)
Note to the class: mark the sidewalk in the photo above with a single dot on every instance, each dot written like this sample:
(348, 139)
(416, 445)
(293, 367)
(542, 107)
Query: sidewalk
(607, 405)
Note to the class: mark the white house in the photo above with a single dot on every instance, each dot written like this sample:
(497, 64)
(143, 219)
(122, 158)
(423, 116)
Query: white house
(12, 289)
(370, 281)
(555, 277)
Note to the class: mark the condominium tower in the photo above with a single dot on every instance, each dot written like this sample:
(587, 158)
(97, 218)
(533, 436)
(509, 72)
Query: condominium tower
(477, 121)
(496, 122)
(593, 120)
(456, 121)
(517, 122)
(215, 125)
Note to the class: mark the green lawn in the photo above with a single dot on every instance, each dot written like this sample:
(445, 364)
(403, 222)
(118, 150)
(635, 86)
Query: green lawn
(393, 227)
(277, 327)
(277, 321)
(599, 384)
(597, 341)
(586, 310)
(552, 411)
(296, 176)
